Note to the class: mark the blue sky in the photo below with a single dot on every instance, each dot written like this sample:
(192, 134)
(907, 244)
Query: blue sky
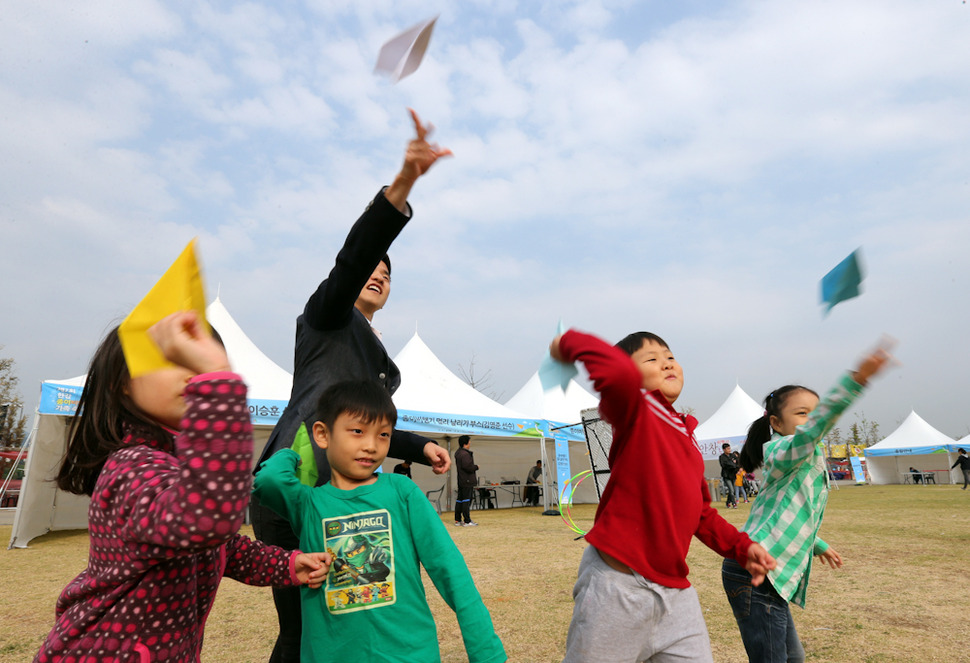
(689, 168)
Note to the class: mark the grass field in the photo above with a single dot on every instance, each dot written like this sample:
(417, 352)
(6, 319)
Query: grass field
(903, 594)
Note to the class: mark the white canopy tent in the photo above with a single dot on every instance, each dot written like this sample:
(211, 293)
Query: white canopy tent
(728, 424)
(914, 444)
(552, 404)
(435, 402)
(43, 508)
(563, 410)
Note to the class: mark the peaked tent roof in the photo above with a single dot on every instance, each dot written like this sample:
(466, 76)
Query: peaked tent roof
(428, 386)
(553, 404)
(732, 419)
(914, 436)
(265, 379)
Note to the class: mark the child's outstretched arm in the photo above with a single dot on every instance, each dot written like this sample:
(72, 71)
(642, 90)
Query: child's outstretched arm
(781, 458)
(615, 377)
(262, 565)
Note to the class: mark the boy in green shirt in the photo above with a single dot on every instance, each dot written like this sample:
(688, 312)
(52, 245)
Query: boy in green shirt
(379, 529)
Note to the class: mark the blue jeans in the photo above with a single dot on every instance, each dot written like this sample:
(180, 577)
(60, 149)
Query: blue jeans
(763, 617)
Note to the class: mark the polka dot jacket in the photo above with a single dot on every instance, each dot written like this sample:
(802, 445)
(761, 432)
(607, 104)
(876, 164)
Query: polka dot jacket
(163, 526)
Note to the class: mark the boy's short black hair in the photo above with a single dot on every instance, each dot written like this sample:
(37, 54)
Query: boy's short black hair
(464, 439)
(726, 445)
(363, 398)
(633, 342)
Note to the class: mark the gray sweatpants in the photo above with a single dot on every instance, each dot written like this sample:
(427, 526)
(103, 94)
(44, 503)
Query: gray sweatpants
(621, 618)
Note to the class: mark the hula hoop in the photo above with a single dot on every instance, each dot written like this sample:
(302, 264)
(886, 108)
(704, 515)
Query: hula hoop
(566, 506)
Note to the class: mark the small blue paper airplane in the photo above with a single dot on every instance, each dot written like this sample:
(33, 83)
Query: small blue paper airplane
(844, 282)
(554, 373)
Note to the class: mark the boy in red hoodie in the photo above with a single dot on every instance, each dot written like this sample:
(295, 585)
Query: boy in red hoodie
(633, 601)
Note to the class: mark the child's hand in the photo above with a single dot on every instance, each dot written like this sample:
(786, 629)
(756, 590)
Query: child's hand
(759, 563)
(312, 568)
(831, 558)
(183, 340)
(555, 351)
(875, 362)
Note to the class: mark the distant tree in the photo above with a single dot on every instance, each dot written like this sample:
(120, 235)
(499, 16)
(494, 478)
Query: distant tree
(864, 432)
(12, 420)
(870, 430)
(482, 383)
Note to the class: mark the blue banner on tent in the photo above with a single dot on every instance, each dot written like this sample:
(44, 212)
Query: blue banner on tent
(918, 451)
(711, 448)
(63, 399)
(265, 412)
(439, 422)
(59, 398)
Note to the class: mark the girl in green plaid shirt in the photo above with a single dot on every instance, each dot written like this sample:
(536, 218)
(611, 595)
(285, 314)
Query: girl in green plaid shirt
(787, 513)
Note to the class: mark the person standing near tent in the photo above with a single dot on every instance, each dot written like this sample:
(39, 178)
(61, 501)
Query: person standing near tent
(532, 484)
(467, 480)
(336, 342)
(729, 470)
(787, 513)
(964, 462)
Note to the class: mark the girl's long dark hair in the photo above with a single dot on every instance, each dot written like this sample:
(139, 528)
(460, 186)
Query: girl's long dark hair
(103, 412)
(753, 451)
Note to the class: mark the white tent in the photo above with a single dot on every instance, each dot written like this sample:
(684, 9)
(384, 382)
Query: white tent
(428, 386)
(728, 424)
(563, 410)
(435, 402)
(43, 508)
(914, 444)
(552, 404)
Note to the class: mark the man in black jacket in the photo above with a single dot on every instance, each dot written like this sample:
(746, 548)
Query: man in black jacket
(729, 472)
(964, 462)
(335, 342)
(467, 480)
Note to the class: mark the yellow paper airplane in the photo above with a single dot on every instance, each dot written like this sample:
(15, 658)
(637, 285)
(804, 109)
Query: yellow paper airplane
(179, 289)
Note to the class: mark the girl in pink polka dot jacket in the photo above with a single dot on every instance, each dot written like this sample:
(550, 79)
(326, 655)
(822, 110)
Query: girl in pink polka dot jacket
(166, 458)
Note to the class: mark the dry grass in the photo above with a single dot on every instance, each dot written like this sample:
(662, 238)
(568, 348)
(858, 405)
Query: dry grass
(902, 595)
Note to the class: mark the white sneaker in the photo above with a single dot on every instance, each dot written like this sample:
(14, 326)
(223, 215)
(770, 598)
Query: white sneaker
(471, 524)
(458, 523)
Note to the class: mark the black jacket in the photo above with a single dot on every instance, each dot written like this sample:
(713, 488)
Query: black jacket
(729, 469)
(335, 342)
(465, 464)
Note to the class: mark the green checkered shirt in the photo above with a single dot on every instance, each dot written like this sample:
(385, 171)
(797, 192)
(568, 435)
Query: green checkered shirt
(788, 511)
